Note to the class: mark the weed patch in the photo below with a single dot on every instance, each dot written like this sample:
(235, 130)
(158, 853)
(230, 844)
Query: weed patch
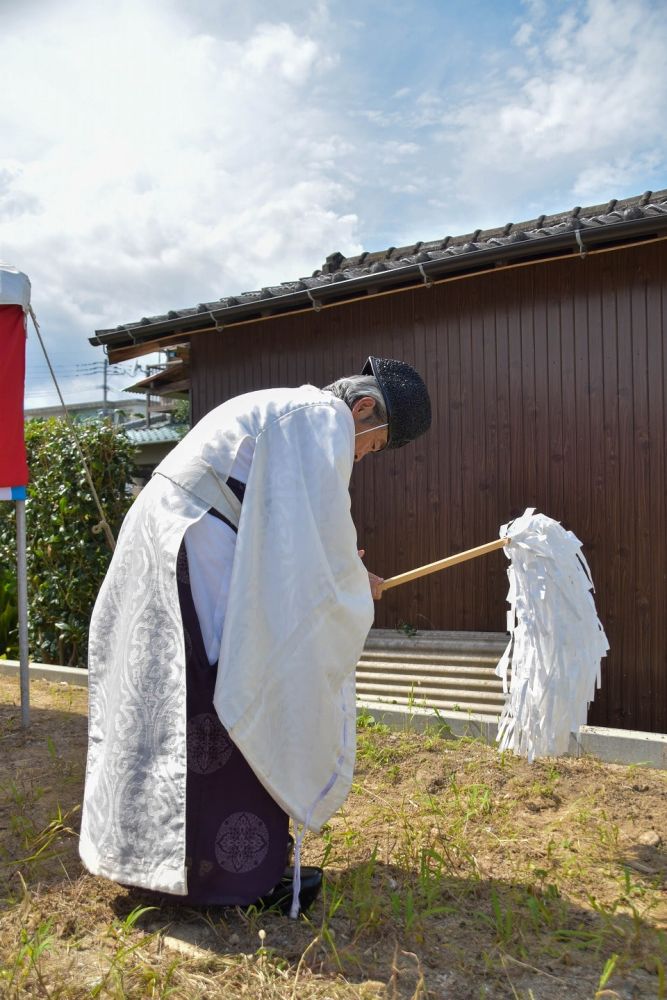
(452, 872)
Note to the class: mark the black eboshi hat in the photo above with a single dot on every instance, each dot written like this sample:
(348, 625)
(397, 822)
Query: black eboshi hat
(406, 398)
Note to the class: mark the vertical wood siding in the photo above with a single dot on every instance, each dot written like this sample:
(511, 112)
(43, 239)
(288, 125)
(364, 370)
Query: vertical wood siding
(548, 385)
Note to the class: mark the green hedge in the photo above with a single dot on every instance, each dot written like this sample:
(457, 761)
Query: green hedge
(67, 560)
(9, 635)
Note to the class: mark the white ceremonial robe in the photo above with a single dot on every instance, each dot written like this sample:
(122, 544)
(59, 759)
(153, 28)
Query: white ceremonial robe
(210, 545)
(298, 612)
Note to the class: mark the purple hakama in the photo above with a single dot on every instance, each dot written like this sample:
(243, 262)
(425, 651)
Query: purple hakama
(236, 834)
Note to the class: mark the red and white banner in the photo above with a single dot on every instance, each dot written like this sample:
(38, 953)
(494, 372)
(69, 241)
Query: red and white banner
(13, 466)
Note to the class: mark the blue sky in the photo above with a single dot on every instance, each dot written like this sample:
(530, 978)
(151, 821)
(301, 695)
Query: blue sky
(159, 153)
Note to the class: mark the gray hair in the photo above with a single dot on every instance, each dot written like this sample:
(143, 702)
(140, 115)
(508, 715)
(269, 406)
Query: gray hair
(355, 387)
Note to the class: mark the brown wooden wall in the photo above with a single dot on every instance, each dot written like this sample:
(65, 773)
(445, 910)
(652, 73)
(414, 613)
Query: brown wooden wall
(548, 385)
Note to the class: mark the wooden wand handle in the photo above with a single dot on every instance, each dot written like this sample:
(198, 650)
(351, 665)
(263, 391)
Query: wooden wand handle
(413, 574)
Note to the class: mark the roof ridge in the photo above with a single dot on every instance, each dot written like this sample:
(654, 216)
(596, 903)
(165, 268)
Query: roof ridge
(558, 230)
(527, 226)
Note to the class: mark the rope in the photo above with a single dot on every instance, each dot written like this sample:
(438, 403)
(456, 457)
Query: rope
(103, 524)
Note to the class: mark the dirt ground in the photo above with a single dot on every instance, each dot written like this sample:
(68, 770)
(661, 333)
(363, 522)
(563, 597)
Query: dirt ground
(452, 872)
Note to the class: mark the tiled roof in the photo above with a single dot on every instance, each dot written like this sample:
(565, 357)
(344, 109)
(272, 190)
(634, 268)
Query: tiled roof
(166, 434)
(577, 230)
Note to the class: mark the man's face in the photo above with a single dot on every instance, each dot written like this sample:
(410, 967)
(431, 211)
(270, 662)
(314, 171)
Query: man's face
(369, 438)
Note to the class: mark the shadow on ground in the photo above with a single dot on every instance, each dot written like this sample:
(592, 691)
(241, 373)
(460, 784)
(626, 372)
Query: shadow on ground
(415, 930)
(462, 938)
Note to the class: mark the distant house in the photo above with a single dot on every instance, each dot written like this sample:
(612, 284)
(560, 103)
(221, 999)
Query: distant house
(152, 436)
(152, 445)
(118, 411)
(543, 346)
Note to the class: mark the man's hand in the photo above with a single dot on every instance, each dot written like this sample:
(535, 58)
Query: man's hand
(374, 581)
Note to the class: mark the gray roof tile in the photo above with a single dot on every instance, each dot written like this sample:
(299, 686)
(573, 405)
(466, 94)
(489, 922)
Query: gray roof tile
(529, 237)
(156, 435)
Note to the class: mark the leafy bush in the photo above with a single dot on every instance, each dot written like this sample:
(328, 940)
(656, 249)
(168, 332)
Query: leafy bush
(9, 635)
(67, 558)
(181, 412)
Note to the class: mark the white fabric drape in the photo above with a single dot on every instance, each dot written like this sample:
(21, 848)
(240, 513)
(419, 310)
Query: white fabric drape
(210, 546)
(298, 612)
(133, 818)
(556, 639)
(14, 287)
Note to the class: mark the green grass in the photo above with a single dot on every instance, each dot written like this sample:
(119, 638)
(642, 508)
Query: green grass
(452, 871)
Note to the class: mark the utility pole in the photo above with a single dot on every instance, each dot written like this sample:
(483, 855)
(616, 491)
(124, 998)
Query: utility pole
(105, 385)
(149, 370)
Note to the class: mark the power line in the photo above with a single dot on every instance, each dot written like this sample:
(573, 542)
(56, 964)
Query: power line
(64, 373)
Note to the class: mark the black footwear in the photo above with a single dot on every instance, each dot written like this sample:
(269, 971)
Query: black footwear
(280, 897)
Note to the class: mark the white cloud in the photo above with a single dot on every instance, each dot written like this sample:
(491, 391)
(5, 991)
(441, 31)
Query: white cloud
(580, 119)
(393, 152)
(153, 166)
(524, 34)
(277, 48)
(599, 83)
(617, 176)
(157, 153)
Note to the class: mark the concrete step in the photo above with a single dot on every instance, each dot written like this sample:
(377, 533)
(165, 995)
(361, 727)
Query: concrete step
(434, 659)
(450, 671)
(423, 692)
(473, 671)
(474, 642)
(451, 706)
(435, 680)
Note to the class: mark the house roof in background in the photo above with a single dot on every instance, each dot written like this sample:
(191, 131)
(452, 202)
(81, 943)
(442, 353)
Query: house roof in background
(167, 433)
(90, 409)
(576, 230)
(172, 380)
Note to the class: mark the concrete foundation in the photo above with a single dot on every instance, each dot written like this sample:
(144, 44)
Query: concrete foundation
(614, 746)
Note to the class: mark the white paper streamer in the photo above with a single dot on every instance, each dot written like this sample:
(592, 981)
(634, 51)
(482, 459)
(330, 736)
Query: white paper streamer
(556, 639)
